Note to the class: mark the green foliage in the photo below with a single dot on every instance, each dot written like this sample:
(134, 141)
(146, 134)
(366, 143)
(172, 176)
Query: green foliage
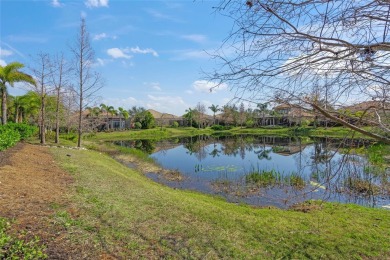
(137, 125)
(175, 124)
(220, 127)
(16, 248)
(8, 138)
(69, 136)
(146, 119)
(249, 123)
(24, 130)
(12, 133)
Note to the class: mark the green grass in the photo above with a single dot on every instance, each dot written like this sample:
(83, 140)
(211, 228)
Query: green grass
(130, 216)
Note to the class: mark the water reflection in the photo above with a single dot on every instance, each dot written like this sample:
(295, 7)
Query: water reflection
(277, 171)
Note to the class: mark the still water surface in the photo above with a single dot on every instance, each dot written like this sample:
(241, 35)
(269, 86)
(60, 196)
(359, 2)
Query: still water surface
(270, 171)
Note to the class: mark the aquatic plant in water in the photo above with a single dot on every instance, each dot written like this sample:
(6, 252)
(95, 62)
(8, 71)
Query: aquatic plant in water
(266, 178)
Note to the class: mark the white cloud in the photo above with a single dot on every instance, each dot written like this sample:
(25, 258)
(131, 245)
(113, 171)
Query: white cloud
(96, 3)
(199, 38)
(56, 3)
(124, 52)
(191, 55)
(3, 63)
(102, 62)
(5, 53)
(117, 53)
(208, 86)
(153, 85)
(100, 36)
(142, 51)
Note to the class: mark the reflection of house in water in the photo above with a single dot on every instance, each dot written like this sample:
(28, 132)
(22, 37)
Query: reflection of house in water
(283, 145)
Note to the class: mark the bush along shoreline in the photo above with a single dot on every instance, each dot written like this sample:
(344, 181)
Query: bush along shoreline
(12, 133)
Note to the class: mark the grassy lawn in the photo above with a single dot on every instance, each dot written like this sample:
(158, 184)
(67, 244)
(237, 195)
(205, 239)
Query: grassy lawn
(130, 216)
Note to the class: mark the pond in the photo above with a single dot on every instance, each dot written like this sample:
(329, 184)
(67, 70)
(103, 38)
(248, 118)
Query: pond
(270, 171)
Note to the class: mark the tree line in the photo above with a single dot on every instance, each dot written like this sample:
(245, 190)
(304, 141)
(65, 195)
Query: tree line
(66, 83)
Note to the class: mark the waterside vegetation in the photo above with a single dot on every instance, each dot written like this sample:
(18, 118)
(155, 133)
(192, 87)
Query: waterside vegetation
(135, 217)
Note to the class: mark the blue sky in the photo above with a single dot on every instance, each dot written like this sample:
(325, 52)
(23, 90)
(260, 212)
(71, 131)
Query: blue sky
(150, 53)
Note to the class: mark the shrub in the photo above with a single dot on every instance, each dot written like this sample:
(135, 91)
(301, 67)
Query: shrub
(220, 127)
(24, 130)
(8, 138)
(137, 125)
(249, 123)
(175, 124)
(12, 133)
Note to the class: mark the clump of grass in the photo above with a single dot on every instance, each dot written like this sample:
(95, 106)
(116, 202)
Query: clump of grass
(360, 186)
(307, 206)
(12, 247)
(266, 178)
(263, 178)
(136, 153)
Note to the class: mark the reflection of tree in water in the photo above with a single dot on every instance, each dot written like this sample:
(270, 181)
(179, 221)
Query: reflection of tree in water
(264, 153)
(347, 174)
(197, 145)
(146, 146)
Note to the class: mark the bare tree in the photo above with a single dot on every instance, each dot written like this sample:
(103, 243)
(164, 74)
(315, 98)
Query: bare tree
(59, 80)
(200, 111)
(286, 48)
(42, 71)
(88, 81)
(242, 114)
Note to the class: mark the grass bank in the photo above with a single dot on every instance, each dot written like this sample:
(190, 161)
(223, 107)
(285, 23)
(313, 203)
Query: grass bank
(158, 133)
(130, 216)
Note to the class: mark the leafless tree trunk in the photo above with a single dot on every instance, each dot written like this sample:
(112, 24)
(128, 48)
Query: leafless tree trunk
(284, 48)
(42, 72)
(201, 109)
(59, 81)
(89, 81)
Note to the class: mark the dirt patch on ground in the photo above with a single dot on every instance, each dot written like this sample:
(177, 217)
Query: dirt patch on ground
(32, 187)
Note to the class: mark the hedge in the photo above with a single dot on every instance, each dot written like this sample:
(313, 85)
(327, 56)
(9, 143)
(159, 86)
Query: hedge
(12, 133)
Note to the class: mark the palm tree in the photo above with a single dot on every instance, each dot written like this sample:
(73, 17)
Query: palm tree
(107, 110)
(133, 112)
(30, 104)
(214, 109)
(262, 108)
(10, 74)
(189, 115)
(124, 113)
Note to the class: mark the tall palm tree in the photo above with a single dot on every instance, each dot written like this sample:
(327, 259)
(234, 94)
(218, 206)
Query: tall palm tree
(124, 113)
(262, 108)
(10, 74)
(214, 109)
(189, 115)
(108, 110)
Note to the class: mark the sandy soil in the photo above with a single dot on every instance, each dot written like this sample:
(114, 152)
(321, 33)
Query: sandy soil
(32, 186)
